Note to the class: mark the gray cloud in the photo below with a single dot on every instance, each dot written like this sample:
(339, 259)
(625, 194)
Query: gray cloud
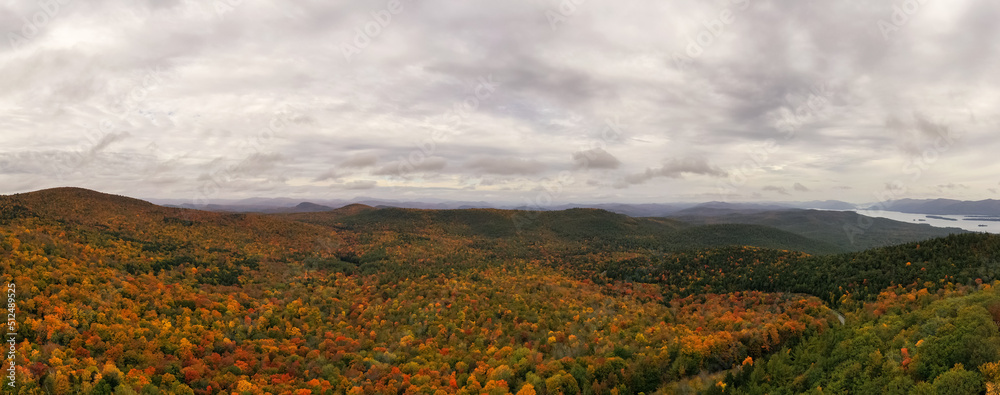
(677, 168)
(772, 188)
(263, 98)
(800, 188)
(506, 166)
(328, 175)
(953, 186)
(360, 184)
(596, 158)
(403, 167)
(359, 161)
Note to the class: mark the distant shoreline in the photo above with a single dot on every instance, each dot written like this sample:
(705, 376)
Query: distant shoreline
(966, 222)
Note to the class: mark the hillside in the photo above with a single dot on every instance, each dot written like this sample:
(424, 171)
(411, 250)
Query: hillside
(961, 259)
(906, 342)
(165, 236)
(94, 209)
(849, 231)
(306, 207)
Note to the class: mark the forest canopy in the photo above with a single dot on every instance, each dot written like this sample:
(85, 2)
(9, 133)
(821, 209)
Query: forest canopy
(121, 296)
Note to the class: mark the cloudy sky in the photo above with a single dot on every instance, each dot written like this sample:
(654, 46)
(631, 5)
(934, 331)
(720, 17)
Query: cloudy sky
(538, 101)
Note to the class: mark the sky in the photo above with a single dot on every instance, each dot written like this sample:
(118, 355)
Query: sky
(533, 102)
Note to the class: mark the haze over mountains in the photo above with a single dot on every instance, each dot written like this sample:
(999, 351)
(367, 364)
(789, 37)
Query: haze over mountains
(914, 206)
(635, 210)
(990, 207)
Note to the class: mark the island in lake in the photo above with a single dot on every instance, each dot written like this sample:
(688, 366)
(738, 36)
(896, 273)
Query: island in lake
(981, 218)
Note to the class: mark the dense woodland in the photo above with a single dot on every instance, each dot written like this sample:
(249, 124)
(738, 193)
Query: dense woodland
(120, 296)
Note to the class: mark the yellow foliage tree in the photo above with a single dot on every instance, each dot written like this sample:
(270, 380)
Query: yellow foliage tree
(991, 372)
(527, 389)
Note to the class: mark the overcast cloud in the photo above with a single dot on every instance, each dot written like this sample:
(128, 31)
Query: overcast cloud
(628, 101)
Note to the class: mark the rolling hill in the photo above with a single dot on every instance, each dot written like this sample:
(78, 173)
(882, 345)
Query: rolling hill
(848, 231)
(202, 236)
(593, 227)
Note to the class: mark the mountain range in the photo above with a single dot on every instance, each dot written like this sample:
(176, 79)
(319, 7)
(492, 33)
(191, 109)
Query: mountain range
(831, 231)
(280, 205)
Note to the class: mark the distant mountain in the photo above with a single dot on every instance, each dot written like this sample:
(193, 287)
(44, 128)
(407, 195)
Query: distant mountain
(823, 205)
(285, 205)
(282, 205)
(941, 207)
(352, 209)
(225, 208)
(312, 207)
(586, 227)
(304, 207)
(633, 210)
(845, 229)
(712, 209)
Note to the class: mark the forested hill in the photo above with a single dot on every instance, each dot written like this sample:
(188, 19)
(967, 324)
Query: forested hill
(580, 228)
(687, 259)
(847, 230)
(965, 259)
(166, 237)
(131, 217)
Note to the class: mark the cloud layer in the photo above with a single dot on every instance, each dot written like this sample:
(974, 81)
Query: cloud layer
(608, 101)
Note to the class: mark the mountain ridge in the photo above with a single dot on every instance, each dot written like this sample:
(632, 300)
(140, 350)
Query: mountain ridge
(845, 229)
(941, 206)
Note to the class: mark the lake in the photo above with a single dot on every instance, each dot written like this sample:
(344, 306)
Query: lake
(967, 222)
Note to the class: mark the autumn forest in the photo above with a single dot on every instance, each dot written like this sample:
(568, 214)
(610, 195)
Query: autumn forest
(119, 296)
